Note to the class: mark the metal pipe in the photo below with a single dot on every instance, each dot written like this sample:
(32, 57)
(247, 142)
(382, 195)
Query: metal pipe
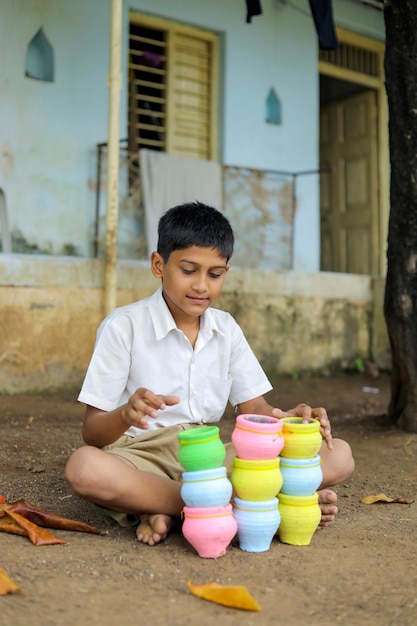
(98, 194)
(112, 207)
(6, 238)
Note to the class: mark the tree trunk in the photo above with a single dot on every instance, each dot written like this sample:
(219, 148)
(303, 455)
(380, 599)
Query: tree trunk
(400, 306)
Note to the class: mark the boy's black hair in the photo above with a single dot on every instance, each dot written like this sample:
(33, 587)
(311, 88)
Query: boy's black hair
(194, 224)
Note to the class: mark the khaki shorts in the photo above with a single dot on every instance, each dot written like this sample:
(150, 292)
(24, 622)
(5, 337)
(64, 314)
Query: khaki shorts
(155, 451)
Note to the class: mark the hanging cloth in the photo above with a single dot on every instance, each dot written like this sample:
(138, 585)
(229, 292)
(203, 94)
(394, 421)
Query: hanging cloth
(322, 11)
(170, 179)
(253, 7)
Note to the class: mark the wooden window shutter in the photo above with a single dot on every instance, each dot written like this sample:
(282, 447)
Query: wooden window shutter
(173, 105)
(192, 96)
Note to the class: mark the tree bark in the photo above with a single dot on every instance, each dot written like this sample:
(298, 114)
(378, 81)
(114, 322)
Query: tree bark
(400, 305)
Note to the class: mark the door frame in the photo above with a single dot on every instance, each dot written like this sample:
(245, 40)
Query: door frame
(328, 67)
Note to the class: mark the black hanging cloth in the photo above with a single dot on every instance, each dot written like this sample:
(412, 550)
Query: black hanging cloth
(253, 7)
(322, 11)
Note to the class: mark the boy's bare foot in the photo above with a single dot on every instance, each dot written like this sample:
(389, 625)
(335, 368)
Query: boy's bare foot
(327, 503)
(154, 528)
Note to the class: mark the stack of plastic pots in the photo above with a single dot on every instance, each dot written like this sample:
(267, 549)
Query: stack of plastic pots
(209, 525)
(256, 479)
(301, 476)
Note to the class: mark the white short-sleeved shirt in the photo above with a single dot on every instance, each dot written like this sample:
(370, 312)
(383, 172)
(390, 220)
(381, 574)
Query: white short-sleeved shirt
(139, 345)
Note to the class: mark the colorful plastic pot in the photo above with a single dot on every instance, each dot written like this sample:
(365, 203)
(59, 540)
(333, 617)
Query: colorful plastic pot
(257, 523)
(257, 437)
(201, 448)
(301, 440)
(256, 480)
(209, 529)
(206, 488)
(301, 477)
(300, 516)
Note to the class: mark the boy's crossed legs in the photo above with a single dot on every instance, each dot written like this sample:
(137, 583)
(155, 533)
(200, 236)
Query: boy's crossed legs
(113, 482)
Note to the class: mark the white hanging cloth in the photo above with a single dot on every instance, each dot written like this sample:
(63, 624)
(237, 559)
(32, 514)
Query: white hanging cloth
(168, 180)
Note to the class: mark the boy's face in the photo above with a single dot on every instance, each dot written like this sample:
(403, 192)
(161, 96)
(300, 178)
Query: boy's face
(191, 279)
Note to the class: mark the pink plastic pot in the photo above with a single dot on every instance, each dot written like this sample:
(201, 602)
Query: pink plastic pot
(209, 529)
(257, 437)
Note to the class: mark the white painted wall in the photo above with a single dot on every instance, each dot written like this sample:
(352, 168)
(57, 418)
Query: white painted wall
(49, 131)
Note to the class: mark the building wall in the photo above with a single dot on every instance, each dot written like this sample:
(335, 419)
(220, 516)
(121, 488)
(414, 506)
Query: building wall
(49, 131)
(295, 322)
(52, 305)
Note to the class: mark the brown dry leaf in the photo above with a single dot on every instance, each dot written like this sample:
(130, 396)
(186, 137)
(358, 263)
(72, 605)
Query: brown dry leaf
(7, 585)
(38, 536)
(24, 518)
(236, 596)
(381, 497)
(8, 525)
(45, 518)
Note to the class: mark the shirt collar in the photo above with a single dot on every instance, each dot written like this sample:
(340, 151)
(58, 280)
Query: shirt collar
(163, 322)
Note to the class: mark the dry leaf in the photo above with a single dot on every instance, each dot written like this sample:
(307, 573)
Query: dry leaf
(8, 525)
(237, 596)
(45, 518)
(24, 518)
(38, 536)
(7, 585)
(381, 497)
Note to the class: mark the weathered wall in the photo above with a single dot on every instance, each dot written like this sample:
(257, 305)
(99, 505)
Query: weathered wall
(49, 131)
(295, 322)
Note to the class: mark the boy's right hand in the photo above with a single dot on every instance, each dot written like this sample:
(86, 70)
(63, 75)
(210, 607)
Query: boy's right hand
(143, 404)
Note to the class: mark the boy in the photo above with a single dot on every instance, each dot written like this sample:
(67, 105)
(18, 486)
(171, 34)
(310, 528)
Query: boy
(168, 363)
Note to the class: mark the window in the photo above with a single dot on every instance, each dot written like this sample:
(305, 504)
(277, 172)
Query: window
(40, 58)
(173, 75)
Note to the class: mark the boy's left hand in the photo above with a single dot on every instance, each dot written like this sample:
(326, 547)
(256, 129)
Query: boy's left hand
(307, 413)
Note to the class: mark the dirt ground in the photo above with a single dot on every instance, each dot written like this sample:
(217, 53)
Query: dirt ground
(360, 570)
